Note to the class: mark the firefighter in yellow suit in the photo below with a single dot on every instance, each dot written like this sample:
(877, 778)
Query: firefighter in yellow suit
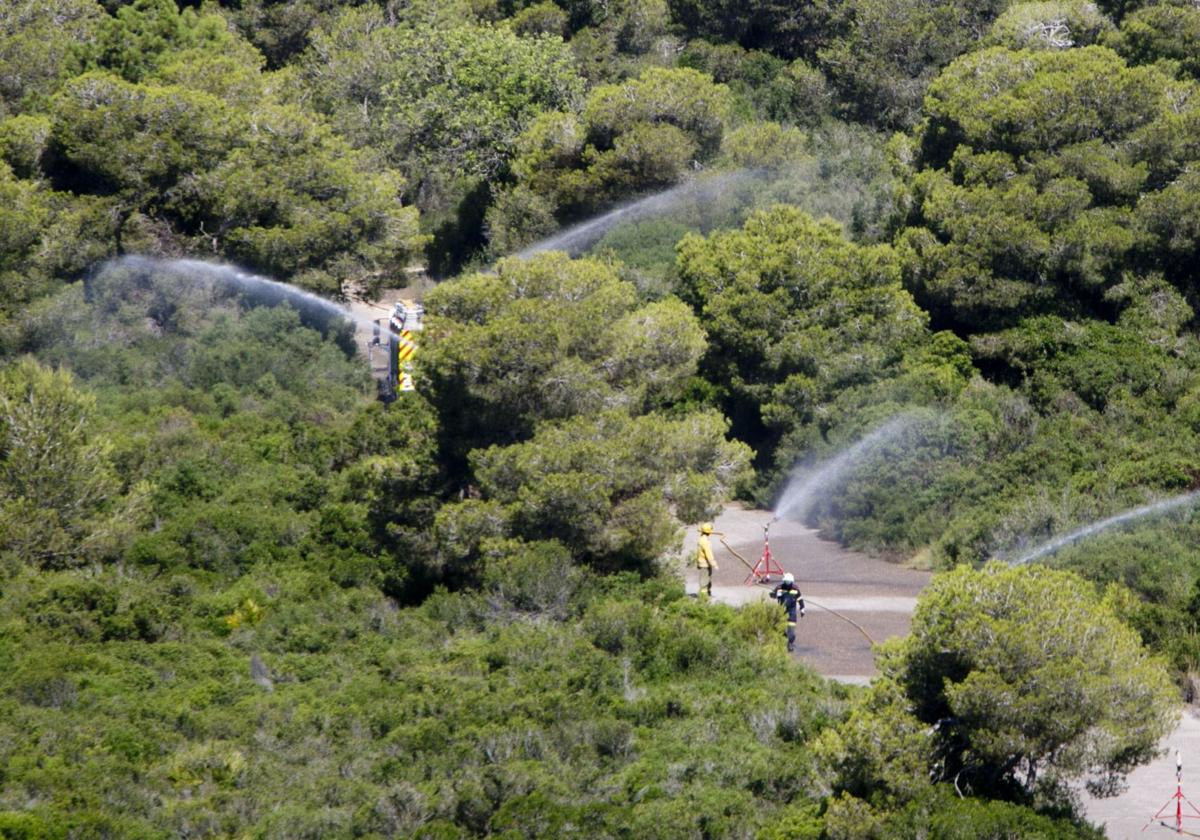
(704, 557)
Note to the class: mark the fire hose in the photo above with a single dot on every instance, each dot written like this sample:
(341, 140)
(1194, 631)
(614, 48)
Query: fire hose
(807, 601)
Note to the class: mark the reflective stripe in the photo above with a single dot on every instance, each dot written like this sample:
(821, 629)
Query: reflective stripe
(791, 624)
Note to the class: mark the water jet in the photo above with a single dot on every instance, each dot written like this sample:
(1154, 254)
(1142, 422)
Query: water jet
(1082, 533)
(580, 237)
(258, 289)
(801, 491)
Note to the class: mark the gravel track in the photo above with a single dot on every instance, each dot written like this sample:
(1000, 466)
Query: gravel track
(877, 595)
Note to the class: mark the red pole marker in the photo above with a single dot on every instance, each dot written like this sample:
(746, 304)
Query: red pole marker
(766, 565)
(1178, 799)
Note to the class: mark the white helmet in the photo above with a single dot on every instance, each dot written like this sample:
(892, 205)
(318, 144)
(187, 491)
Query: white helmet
(788, 577)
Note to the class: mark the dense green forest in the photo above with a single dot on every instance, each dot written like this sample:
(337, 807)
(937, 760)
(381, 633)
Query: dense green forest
(241, 596)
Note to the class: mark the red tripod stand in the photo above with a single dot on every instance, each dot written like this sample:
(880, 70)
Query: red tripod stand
(766, 565)
(1178, 799)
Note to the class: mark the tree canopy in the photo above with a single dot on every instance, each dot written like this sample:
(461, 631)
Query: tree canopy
(1017, 679)
(796, 314)
(565, 396)
(240, 594)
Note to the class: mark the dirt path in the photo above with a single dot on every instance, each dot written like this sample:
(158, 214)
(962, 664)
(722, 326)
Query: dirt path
(1151, 786)
(877, 595)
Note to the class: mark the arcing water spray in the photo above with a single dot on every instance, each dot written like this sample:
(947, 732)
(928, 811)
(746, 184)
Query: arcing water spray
(1157, 508)
(259, 288)
(801, 491)
(577, 239)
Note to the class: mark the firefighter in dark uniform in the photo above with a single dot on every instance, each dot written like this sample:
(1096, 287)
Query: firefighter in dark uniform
(788, 594)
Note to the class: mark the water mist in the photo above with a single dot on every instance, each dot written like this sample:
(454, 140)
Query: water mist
(579, 238)
(1155, 509)
(804, 487)
(260, 290)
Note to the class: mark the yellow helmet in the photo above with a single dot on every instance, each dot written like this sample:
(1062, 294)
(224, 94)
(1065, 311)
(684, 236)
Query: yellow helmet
(706, 528)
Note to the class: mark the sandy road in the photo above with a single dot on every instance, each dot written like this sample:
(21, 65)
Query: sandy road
(877, 595)
(1151, 786)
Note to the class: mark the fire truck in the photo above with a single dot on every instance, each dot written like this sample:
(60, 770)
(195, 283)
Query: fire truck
(397, 333)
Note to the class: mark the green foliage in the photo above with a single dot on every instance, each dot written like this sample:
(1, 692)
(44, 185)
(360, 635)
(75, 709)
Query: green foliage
(1050, 25)
(438, 103)
(138, 139)
(944, 815)
(643, 133)
(444, 102)
(884, 53)
(134, 40)
(644, 246)
(764, 24)
(1095, 361)
(221, 562)
(1031, 679)
(838, 171)
(906, 492)
(599, 366)
(543, 18)
(1151, 576)
(763, 146)
(683, 98)
(954, 818)
(56, 476)
(1159, 32)
(1047, 241)
(140, 323)
(1090, 92)
(1014, 682)
(881, 752)
(800, 93)
(283, 29)
(176, 140)
(750, 74)
(269, 187)
(605, 486)
(795, 314)
(1173, 217)
(38, 41)
(23, 143)
(292, 194)
(233, 75)
(1030, 199)
(500, 353)
(240, 435)
(1082, 434)
(844, 174)
(446, 718)
(25, 214)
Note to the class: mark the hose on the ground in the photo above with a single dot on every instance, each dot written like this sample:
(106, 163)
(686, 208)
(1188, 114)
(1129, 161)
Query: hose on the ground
(849, 621)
